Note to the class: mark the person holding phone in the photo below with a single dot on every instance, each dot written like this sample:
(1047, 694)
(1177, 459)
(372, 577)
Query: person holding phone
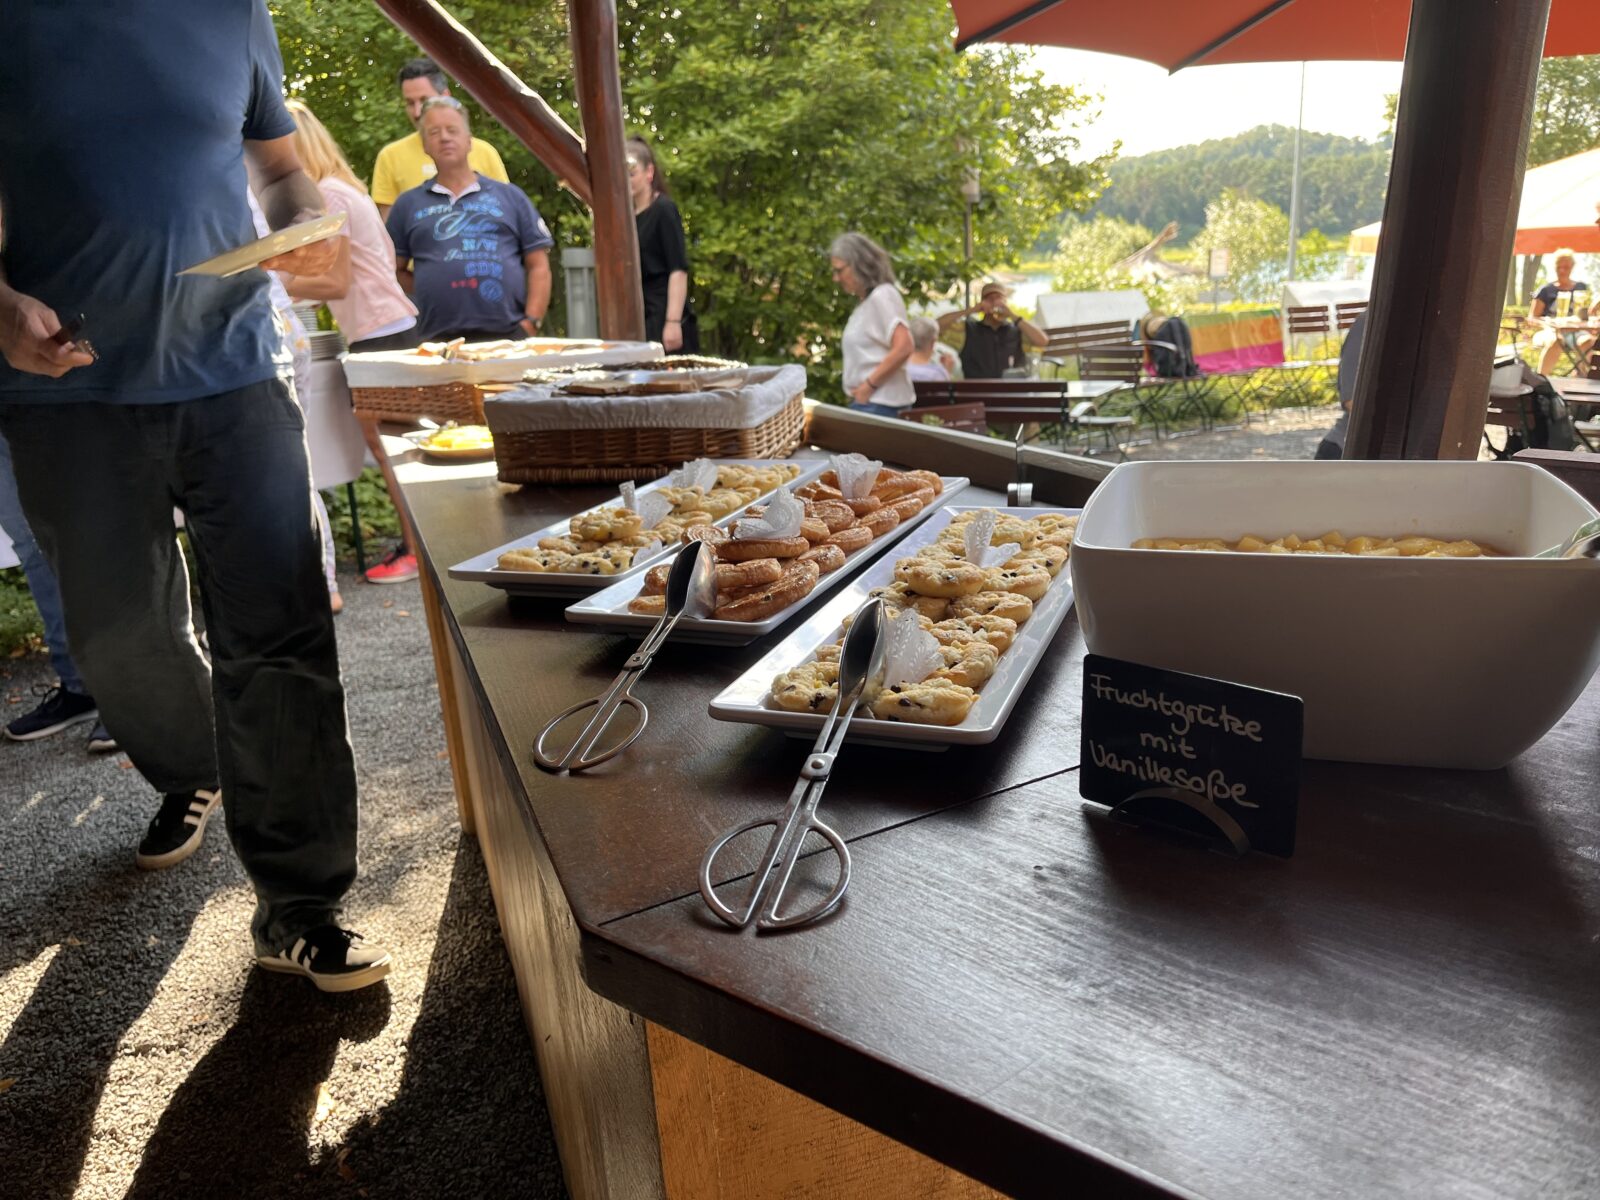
(994, 339)
(184, 405)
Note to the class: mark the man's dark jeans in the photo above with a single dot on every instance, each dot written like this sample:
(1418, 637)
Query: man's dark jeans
(99, 483)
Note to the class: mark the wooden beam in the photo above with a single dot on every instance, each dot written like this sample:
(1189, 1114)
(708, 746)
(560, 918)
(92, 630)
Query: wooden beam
(1461, 140)
(616, 239)
(492, 84)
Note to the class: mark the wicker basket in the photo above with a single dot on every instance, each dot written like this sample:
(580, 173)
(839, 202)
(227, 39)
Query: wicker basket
(460, 402)
(612, 455)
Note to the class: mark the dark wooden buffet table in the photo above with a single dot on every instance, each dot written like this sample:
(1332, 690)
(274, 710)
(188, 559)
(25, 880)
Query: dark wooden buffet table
(1015, 992)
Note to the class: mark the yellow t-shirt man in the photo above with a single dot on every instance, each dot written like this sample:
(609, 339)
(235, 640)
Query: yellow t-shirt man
(404, 164)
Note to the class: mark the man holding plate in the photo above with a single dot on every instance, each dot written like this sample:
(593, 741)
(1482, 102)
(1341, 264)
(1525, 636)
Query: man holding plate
(180, 403)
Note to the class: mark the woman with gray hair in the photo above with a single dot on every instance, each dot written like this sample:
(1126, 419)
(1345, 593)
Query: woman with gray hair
(877, 337)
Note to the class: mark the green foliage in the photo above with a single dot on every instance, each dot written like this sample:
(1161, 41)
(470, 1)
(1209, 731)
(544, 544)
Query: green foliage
(1342, 180)
(1090, 250)
(777, 129)
(780, 127)
(1256, 236)
(20, 629)
(1566, 109)
(379, 521)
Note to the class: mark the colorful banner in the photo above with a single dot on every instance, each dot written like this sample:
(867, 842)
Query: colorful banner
(1236, 341)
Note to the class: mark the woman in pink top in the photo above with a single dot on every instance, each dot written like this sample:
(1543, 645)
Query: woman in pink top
(360, 289)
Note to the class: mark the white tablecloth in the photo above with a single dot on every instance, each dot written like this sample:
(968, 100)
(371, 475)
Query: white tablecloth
(332, 436)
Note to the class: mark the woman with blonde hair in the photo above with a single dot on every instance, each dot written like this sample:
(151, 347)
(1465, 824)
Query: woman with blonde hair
(360, 289)
(877, 337)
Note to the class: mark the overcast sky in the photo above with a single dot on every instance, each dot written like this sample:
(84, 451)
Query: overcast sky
(1151, 110)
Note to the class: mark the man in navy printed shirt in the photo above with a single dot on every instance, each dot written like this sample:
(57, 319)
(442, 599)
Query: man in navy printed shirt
(473, 252)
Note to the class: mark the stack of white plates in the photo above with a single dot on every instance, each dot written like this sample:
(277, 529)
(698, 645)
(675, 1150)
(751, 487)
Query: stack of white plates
(326, 343)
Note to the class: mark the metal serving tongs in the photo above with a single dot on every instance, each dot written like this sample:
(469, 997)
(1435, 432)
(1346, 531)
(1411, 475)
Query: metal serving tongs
(691, 591)
(860, 659)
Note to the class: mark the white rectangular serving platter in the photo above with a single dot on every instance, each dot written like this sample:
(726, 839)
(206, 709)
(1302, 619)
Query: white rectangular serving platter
(609, 609)
(485, 567)
(745, 700)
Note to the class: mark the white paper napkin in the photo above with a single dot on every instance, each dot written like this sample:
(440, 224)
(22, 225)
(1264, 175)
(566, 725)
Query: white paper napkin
(857, 473)
(977, 536)
(782, 519)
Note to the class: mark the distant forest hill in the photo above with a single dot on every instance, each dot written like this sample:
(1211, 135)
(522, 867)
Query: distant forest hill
(1342, 180)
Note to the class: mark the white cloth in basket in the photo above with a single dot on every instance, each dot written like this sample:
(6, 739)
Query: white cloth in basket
(403, 368)
(535, 408)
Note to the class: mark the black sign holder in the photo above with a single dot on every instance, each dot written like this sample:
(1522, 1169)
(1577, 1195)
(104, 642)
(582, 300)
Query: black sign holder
(1192, 756)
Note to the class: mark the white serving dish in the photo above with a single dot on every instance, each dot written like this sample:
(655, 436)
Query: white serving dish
(1426, 662)
(609, 609)
(485, 567)
(746, 699)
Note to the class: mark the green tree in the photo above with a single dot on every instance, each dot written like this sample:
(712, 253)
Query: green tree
(1256, 236)
(777, 127)
(1089, 251)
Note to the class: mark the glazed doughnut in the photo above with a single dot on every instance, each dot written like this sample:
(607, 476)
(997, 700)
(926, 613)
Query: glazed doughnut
(864, 505)
(947, 580)
(931, 702)
(655, 580)
(835, 514)
(736, 576)
(814, 530)
(760, 603)
(907, 506)
(880, 521)
(816, 490)
(850, 540)
(1030, 581)
(927, 479)
(891, 485)
(810, 687)
(994, 604)
(744, 549)
(710, 534)
(648, 606)
(828, 557)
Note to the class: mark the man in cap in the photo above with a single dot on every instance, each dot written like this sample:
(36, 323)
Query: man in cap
(994, 340)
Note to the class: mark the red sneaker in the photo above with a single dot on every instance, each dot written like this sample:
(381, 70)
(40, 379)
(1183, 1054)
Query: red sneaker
(397, 566)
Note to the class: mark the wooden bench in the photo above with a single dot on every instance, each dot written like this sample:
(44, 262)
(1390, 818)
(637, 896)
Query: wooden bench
(1070, 341)
(971, 418)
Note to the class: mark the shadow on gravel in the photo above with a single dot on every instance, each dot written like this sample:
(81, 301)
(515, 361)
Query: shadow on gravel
(101, 979)
(237, 1126)
(469, 1118)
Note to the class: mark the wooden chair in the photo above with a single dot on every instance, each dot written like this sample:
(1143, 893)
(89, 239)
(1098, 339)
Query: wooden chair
(1301, 321)
(1346, 311)
(1070, 341)
(1156, 401)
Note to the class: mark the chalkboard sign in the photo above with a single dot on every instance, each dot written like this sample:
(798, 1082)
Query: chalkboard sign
(1171, 747)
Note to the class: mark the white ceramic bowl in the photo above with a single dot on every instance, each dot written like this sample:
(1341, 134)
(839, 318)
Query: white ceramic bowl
(1429, 662)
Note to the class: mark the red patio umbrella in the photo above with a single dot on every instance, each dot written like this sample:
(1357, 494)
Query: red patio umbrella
(1186, 33)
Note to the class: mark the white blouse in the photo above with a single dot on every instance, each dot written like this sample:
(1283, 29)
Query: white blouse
(867, 336)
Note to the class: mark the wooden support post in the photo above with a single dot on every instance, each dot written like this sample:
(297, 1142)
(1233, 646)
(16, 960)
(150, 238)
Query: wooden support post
(1461, 140)
(616, 239)
(510, 101)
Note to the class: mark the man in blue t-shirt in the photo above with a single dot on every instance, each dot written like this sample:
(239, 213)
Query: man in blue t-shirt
(131, 127)
(473, 252)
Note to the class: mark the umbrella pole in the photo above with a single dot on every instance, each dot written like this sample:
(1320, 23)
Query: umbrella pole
(1461, 140)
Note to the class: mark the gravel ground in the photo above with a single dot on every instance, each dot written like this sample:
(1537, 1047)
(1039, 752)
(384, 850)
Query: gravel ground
(142, 1055)
(1283, 433)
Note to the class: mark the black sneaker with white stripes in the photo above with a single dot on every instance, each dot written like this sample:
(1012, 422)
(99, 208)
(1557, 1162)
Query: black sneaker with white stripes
(334, 958)
(177, 830)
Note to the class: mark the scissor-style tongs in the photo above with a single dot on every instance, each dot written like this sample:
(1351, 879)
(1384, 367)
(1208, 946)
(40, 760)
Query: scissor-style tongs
(859, 660)
(691, 591)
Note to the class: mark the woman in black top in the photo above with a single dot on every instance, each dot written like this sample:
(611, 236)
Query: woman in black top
(663, 256)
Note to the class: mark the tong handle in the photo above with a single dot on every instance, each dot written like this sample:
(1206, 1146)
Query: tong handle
(761, 906)
(576, 756)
